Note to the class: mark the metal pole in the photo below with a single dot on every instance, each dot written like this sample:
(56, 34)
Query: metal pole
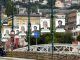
(12, 31)
(36, 41)
(52, 26)
(13, 18)
(29, 26)
(0, 23)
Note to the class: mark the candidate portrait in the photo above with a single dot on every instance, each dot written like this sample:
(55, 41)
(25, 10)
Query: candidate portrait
(60, 24)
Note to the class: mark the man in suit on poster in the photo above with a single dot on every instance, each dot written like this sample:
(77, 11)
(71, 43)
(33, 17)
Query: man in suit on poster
(60, 24)
(35, 28)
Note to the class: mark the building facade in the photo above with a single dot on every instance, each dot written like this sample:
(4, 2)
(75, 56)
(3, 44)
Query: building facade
(72, 24)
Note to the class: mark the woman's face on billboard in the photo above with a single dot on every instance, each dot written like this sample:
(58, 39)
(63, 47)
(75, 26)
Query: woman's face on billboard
(45, 24)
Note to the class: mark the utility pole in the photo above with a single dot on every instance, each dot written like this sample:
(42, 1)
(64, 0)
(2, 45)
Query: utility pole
(29, 27)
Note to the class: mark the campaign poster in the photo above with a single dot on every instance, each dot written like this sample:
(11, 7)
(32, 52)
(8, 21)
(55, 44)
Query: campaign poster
(45, 25)
(5, 22)
(6, 32)
(34, 28)
(23, 28)
(60, 23)
(78, 18)
(16, 31)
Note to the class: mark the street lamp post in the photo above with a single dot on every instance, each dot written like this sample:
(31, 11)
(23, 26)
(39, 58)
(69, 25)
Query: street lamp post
(12, 31)
(29, 26)
(52, 3)
(13, 17)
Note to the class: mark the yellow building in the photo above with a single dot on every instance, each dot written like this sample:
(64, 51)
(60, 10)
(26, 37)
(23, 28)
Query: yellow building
(23, 21)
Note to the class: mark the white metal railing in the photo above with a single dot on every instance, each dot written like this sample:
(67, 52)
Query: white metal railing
(58, 48)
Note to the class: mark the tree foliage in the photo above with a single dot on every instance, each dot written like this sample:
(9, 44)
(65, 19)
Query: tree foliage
(43, 39)
(64, 37)
(10, 8)
(68, 37)
(58, 38)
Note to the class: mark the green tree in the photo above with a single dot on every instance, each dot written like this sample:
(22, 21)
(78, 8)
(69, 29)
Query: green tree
(67, 38)
(10, 8)
(63, 37)
(58, 37)
(34, 7)
(47, 38)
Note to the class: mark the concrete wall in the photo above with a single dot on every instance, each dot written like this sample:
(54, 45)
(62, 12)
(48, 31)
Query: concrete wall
(42, 56)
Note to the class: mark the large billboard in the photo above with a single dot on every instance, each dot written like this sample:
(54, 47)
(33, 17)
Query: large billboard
(45, 25)
(23, 28)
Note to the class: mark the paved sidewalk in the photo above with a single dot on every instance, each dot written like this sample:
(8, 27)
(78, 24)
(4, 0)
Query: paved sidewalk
(11, 58)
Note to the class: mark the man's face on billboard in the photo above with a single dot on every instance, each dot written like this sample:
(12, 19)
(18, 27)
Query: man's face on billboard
(35, 27)
(59, 22)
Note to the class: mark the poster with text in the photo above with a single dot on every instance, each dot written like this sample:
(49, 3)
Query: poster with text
(6, 32)
(34, 28)
(78, 18)
(59, 23)
(16, 23)
(16, 31)
(45, 25)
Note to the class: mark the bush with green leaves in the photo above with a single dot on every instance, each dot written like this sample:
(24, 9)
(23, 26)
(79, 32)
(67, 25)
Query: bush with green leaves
(64, 37)
(58, 38)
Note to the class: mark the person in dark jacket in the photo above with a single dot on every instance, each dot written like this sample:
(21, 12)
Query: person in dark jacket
(2, 52)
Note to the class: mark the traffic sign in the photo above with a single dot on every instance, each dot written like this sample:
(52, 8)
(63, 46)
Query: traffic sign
(36, 34)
